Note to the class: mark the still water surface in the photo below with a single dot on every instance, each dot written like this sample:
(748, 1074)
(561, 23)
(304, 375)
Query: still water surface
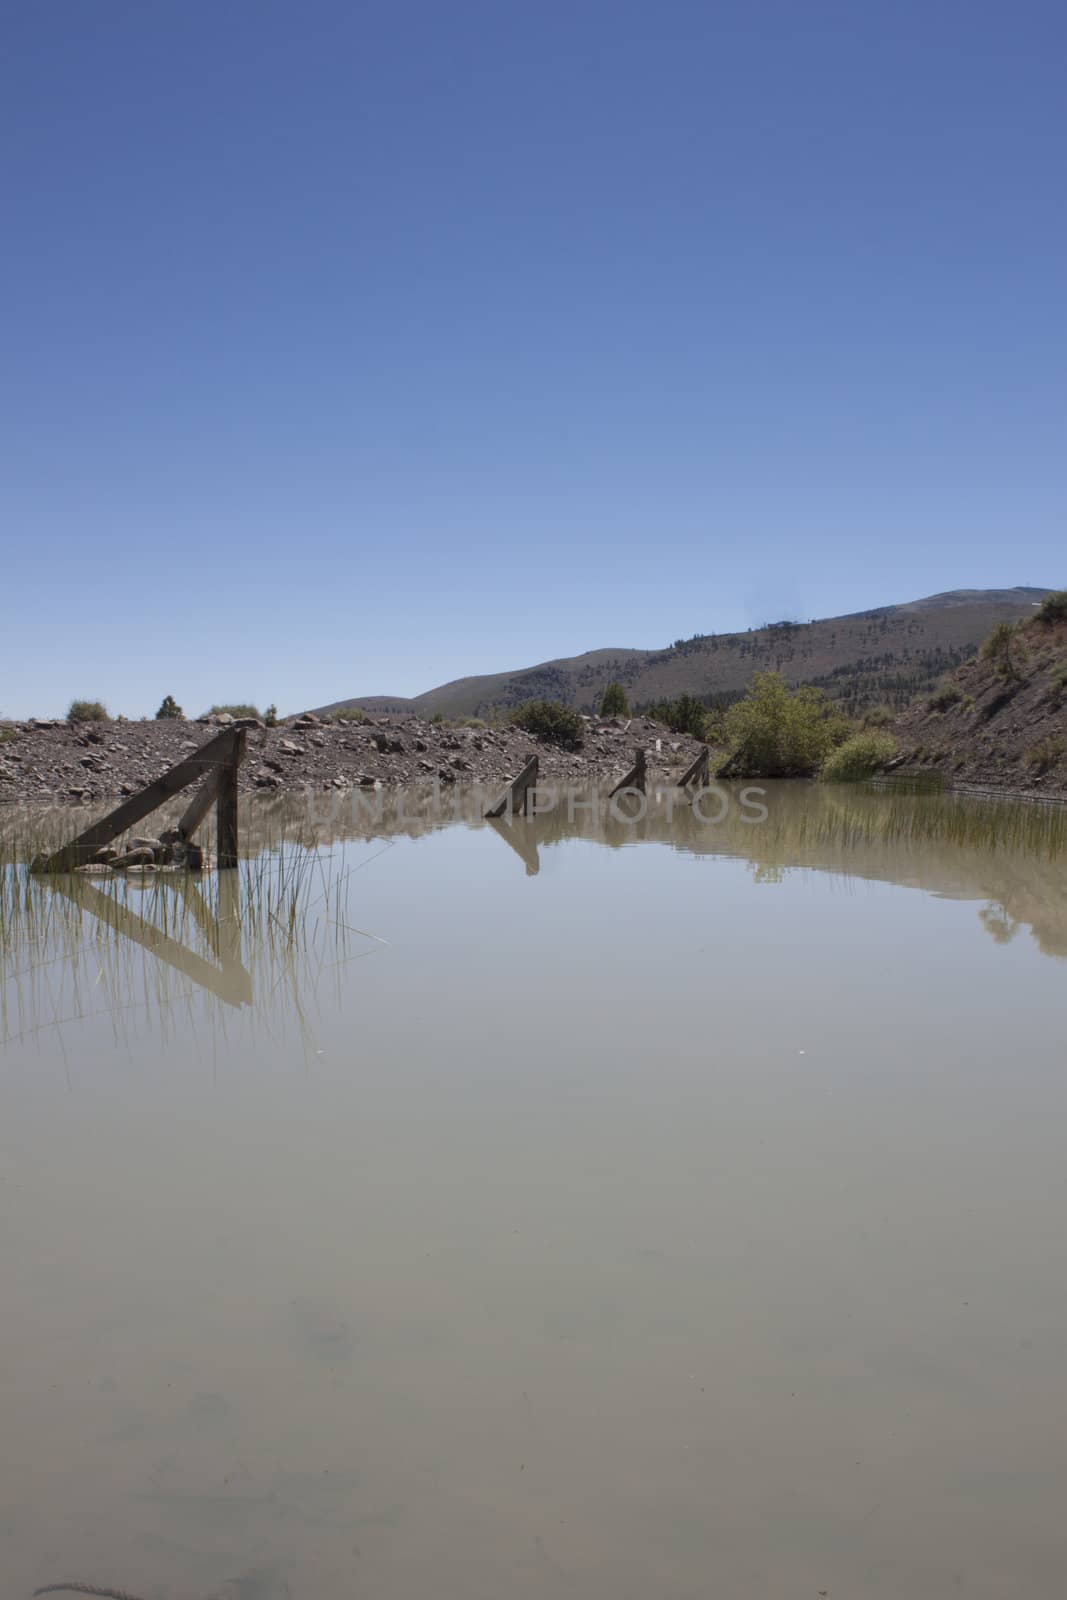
(581, 1212)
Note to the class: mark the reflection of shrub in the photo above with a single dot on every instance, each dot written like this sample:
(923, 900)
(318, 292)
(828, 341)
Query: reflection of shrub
(615, 702)
(551, 722)
(776, 733)
(87, 711)
(949, 694)
(1044, 756)
(1053, 608)
(858, 758)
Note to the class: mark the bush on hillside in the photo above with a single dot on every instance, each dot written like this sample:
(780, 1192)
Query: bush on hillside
(551, 722)
(778, 733)
(169, 710)
(1005, 648)
(1053, 608)
(86, 711)
(350, 714)
(944, 698)
(615, 701)
(858, 758)
(687, 714)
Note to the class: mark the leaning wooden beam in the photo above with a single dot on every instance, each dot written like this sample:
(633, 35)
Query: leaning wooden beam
(198, 807)
(84, 847)
(519, 790)
(698, 769)
(636, 777)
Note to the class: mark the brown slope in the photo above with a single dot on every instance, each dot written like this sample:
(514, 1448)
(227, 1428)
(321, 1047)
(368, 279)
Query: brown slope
(995, 730)
(891, 653)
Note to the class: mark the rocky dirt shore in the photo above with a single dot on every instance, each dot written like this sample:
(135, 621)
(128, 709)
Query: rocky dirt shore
(78, 764)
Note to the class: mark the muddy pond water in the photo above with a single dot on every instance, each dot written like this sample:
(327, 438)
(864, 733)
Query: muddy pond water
(586, 1207)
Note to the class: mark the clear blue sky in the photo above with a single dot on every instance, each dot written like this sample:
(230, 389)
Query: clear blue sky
(353, 347)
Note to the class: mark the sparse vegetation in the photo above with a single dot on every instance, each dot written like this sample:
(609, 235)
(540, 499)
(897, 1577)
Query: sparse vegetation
(777, 733)
(1057, 689)
(879, 717)
(350, 714)
(551, 722)
(1006, 649)
(944, 698)
(87, 711)
(1053, 609)
(615, 701)
(473, 722)
(1046, 754)
(858, 758)
(270, 716)
(169, 710)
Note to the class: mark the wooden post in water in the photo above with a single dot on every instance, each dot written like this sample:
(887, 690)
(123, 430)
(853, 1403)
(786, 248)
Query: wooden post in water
(224, 752)
(517, 791)
(636, 778)
(698, 769)
(226, 806)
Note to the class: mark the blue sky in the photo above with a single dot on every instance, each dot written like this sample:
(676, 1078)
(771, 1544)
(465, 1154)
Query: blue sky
(353, 347)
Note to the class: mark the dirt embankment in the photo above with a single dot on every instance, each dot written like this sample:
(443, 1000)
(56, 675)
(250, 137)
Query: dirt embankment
(999, 722)
(56, 763)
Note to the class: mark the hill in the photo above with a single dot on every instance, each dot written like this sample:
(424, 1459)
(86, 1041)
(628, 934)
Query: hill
(885, 656)
(999, 721)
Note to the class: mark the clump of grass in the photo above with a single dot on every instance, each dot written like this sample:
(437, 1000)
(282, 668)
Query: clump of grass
(1057, 689)
(858, 758)
(1053, 609)
(1046, 754)
(1007, 650)
(948, 695)
(87, 711)
(7, 734)
(473, 722)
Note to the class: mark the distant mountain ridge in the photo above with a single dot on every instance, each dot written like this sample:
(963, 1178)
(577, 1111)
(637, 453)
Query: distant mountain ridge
(887, 655)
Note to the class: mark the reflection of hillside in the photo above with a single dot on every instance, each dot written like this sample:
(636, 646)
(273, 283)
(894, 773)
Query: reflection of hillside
(1012, 858)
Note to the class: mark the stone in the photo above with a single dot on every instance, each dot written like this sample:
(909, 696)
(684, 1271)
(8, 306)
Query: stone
(142, 856)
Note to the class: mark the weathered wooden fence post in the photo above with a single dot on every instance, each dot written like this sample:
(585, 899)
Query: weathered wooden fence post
(226, 805)
(698, 769)
(519, 790)
(637, 776)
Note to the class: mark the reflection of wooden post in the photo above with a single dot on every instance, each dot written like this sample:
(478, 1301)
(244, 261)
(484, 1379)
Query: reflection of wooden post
(698, 769)
(635, 778)
(519, 790)
(226, 806)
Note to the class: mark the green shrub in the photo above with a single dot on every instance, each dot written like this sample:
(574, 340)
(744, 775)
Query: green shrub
(234, 711)
(437, 719)
(776, 733)
(7, 734)
(1053, 608)
(270, 716)
(615, 702)
(551, 722)
(948, 695)
(1045, 755)
(858, 758)
(350, 714)
(170, 710)
(1006, 649)
(87, 711)
(879, 717)
(687, 714)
